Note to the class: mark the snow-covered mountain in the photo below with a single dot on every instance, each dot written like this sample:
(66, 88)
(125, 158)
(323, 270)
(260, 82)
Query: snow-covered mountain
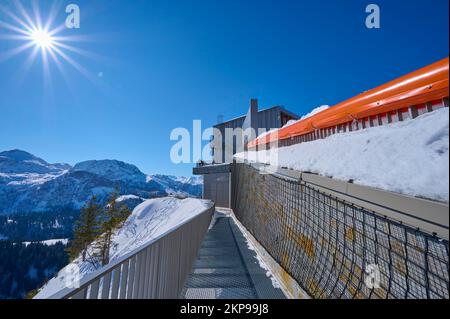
(29, 183)
(174, 185)
(20, 162)
(113, 170)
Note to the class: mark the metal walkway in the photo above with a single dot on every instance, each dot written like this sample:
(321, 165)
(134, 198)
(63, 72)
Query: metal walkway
(226, 268)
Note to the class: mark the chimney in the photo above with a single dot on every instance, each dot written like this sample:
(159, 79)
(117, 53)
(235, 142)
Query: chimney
(254, 114)
(254, 105)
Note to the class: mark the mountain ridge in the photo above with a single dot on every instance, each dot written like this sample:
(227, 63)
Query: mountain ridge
(29, 183)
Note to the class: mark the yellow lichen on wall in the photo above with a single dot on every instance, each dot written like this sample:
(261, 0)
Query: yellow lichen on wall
(350, 234)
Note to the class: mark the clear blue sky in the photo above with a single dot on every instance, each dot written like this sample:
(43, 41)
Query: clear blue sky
(165, 63)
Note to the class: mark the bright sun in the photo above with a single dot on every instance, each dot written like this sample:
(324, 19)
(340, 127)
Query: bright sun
(42, 39)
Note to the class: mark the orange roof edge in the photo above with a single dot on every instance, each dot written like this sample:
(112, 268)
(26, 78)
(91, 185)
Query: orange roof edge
(424, 85)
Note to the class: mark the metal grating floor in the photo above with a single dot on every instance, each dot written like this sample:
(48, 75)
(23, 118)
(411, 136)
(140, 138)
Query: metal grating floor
(226, 268)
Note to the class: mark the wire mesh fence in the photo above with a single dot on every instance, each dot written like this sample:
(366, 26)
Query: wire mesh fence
(335, 249)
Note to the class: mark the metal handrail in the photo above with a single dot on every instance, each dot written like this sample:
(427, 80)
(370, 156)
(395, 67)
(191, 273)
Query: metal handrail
(157, 269)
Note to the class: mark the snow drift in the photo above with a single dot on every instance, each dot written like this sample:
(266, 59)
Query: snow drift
(409, 157)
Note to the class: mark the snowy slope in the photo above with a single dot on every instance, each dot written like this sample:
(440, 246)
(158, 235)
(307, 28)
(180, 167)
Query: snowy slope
(409, 157)
(149, 220)
(153, 218)
(131, 201)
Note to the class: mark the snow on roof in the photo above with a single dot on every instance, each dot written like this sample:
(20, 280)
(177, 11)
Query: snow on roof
(314, 111)
(409, 157)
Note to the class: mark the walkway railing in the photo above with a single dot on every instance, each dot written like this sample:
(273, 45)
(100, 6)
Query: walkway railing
(158, 269)
(339, 241)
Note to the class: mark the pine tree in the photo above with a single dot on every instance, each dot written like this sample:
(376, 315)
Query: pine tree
(87, 229)
(114, 217)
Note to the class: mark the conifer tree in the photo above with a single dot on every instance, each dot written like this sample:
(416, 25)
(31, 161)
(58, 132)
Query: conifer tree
(87, 229)
(113, 218)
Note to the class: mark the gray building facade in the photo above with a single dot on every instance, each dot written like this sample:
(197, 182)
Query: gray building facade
(224, 146)
(217, 176)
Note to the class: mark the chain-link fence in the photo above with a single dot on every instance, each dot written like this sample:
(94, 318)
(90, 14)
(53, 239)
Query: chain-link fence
(335, 249)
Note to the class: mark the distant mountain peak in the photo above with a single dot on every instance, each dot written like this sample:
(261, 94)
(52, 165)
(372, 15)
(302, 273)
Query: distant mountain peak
(28, 183)
(19, 156)
(21, 162)
(112, 169)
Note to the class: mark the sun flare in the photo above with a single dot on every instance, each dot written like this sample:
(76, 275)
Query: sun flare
(42, 39)
(39, 36)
